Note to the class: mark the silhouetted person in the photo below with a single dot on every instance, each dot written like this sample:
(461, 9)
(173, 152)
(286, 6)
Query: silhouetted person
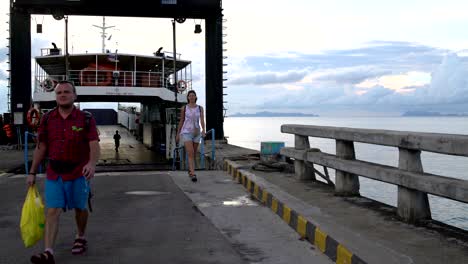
(159, 52)
(54, 50)
(117, 140)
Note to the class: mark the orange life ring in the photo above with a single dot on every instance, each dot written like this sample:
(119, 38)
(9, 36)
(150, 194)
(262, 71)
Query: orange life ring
(8, 130)
(49, 84)
(33, 117)
(181, 85)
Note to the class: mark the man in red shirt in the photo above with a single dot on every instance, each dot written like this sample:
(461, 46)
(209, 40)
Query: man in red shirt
(69, 138)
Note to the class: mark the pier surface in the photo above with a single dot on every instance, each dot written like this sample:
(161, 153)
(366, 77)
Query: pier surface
(367, 228)
(162, 217)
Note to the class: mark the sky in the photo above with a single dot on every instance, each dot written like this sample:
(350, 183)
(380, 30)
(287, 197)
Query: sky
(334, 57)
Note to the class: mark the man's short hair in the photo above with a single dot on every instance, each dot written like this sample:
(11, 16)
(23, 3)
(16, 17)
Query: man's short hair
(69, 82)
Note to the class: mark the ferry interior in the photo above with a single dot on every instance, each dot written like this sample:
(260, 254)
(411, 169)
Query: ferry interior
(148, 91)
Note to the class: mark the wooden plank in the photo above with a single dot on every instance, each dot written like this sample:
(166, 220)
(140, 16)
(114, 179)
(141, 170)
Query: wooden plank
(455, 189)
(434, 142)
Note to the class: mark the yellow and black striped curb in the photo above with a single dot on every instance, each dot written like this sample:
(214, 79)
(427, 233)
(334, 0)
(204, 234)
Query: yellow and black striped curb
(5, 174)
(307, 230)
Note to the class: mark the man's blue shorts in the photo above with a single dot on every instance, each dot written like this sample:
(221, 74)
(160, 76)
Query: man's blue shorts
(67, 194)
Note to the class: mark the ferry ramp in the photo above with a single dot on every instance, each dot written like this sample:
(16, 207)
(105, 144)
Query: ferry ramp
(239, 216)
(163, 217)
(132, 154)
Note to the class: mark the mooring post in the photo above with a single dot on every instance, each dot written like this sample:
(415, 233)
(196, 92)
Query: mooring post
(303, 171)
(346, 184)
(413, 205)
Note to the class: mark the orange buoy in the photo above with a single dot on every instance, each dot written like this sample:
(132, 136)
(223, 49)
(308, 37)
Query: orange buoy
(8, 130)
(33, 117)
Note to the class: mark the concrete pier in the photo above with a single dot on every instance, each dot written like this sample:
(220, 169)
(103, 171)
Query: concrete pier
(369, 230)
(239, 215)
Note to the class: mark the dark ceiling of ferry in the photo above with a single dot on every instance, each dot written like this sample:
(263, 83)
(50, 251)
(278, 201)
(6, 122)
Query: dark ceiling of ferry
(135, 8)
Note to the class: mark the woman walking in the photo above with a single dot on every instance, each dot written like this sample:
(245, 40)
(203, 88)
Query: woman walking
(189, 129)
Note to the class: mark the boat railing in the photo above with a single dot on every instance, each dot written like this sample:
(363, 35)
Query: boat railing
(33, 136)
(46, 83)
(413, 183)
(50, 51)
(170, 55)
(146, 79)
(213, 149)
(180, 155)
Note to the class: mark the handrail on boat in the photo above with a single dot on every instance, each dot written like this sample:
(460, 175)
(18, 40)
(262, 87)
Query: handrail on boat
(202, 151)
(147, 79)
(202, 147)
(26, 158)
(174, 156)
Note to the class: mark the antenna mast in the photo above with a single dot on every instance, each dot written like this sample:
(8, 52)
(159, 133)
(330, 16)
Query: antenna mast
(103, 33)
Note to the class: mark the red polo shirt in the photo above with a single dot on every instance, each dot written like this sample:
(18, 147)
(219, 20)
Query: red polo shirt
(68, 140)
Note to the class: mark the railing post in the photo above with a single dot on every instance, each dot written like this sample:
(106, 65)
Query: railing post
(26, 155)
(346, 184)
(213, 147)
(202, 153)
(303, 171)
(413, 205)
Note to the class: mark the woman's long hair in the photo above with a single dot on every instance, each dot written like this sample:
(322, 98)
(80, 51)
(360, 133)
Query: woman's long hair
(192, 92)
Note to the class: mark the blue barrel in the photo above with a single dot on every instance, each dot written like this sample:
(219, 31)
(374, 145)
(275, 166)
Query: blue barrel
(270, 151)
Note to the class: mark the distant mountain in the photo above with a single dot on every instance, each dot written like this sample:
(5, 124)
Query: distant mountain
(272, 114)
(428, 113)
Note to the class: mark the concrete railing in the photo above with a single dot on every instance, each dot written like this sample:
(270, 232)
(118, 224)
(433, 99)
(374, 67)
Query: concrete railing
(413, 184)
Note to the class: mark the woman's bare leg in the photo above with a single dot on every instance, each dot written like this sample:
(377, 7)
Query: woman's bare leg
(189, 149)
(195, 150)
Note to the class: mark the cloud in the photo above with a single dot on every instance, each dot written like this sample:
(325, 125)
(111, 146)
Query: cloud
(398, 82)
(449, 82)
(389, 56)
(3, 63)
(3, 80)
(386, 76)
(269, 78)
(353, 75)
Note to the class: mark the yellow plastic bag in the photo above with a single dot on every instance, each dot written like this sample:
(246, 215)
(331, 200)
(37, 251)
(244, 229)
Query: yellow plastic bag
(32, 218)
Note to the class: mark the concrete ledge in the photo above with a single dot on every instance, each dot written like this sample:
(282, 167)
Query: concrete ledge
(294, 214)
(338, 242)
(452, 188)
(433, 142)
(5, 174)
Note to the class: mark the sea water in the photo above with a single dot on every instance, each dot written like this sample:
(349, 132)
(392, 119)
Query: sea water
(248, 132)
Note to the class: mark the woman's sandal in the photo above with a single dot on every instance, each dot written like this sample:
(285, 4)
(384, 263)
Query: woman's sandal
(43, 258)
(193, 177)
(79, 246)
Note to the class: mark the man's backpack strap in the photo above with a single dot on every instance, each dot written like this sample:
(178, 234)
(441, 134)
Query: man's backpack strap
(45, 118)
(88, 117)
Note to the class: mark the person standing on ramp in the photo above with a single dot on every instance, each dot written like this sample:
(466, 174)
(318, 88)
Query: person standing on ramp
(69, 138)
(117, 140)
(190, 131)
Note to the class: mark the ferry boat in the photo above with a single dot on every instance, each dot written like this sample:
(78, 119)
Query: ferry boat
(116, 77)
